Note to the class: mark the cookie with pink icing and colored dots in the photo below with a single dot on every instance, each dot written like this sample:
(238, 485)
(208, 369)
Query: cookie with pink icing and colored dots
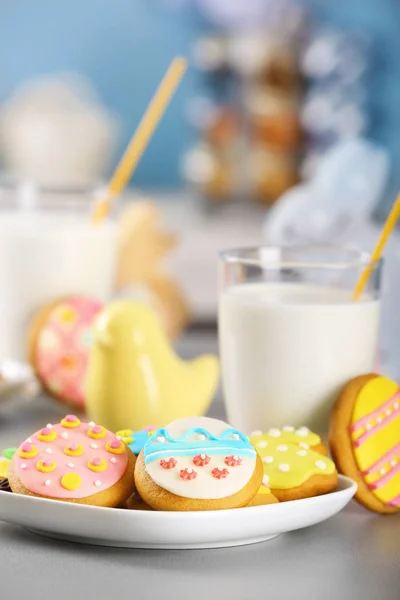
(59, 344)
(198, 464)
(75, 462)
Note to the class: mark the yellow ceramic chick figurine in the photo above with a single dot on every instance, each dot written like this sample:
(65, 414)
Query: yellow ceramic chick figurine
(135, 377)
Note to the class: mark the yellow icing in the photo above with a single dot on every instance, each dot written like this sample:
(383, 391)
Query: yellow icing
(4, 468)
(47, 438)
(71, 481)
(373, 395)
(291, 465)
(293, 437)
(264, 490)
(97, 436)
(119, 450)
(98, 468)
(126, 436)
(33, 452)
(70, 424)
(78, 452)
(44, 468)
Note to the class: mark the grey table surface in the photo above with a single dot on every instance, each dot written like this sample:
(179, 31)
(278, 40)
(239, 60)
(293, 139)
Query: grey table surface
(353, 555)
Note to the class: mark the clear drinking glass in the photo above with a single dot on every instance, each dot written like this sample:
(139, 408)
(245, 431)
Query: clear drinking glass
(290, 333)
(48, 249)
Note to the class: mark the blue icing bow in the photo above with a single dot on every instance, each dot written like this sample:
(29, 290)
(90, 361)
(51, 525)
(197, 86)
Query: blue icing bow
(212, 445)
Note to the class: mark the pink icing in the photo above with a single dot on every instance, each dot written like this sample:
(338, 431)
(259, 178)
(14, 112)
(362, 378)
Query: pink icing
(96, 462)
(394, 501)
(34, 480)
(45, 431)
(74, 446)
(385, 479)
(115, 444)
(47, 463)
(395, 451)
(385, 421)
(63, 346)
(374, 414)
(97, 429)
(70, 418)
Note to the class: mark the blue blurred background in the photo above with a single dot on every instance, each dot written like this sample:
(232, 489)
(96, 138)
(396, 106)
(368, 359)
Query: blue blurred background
(124, 47)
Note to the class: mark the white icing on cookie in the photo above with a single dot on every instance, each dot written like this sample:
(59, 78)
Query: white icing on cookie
(198, 482)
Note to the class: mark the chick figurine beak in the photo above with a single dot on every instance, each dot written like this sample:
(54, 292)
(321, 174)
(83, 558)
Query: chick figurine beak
(134, 376)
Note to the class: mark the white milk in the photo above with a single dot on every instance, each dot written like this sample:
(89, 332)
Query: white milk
(286, 350)
(44, 256)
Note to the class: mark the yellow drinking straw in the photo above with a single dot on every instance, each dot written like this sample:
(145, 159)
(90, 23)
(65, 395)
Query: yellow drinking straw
(386, 231)
(141, 138)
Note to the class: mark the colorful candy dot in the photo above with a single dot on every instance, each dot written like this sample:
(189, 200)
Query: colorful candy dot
(284, 467)
(302, 431)
(233, 461)
(220, 473)
(301, 452)
(71, 481)
(168, 463)
(187, 474)
(268, 460)
(274, 432)
(320, 465)
(201, 460)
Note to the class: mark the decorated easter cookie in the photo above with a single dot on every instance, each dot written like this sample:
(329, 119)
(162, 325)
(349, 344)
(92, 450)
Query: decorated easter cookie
(291, 471)
(364, 437)
(75, 462)
(135, 440)
(198, 464)
(59, 347)
(301, 436)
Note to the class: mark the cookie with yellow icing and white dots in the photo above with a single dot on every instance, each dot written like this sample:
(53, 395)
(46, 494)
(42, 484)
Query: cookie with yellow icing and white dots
(301, 436)
(293, 472)
(198, 464)
(75, 462)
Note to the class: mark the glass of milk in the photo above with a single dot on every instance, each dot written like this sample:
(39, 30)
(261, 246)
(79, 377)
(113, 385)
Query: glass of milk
(290, 333)
(48, 249)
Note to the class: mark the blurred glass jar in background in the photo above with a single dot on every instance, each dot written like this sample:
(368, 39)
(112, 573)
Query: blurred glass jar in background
(48, 249)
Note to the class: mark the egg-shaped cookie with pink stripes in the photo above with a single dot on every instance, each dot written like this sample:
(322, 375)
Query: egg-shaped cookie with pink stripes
(198, 463)
(364, 438)
(74, 462)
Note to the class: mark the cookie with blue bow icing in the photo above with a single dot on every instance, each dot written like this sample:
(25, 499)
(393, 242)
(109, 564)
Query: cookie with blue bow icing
(198, 464)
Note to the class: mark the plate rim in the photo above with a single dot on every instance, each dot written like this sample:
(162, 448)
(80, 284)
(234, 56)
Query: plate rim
(349, 485)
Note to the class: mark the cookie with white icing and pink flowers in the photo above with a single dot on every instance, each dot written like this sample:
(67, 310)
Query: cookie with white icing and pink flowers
(198, 463)
(75, 462)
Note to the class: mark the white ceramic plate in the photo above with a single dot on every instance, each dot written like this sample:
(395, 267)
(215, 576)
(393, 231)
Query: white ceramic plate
(169, 530)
